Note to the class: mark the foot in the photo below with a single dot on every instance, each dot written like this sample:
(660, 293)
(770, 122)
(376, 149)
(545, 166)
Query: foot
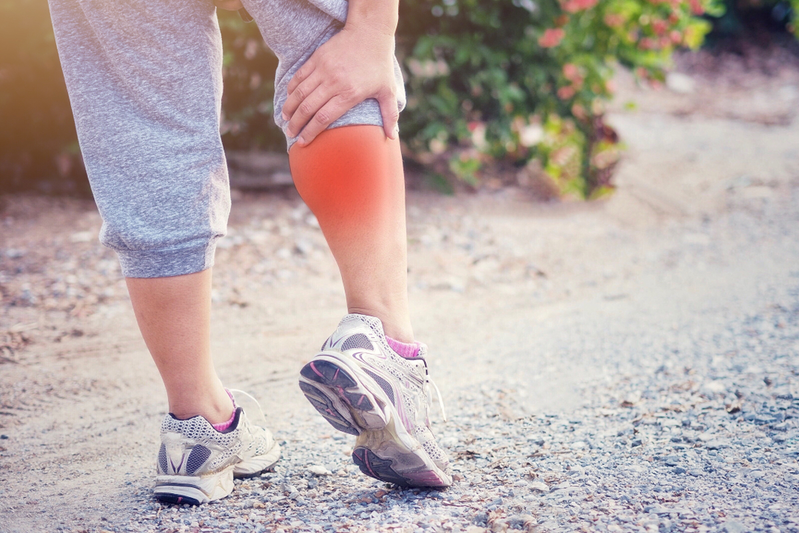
(363, 387)
(197, 463)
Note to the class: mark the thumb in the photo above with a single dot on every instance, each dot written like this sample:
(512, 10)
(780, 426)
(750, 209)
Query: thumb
(390, 113)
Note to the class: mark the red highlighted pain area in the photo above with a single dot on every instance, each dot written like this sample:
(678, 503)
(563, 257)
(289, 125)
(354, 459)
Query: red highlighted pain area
(352, 180)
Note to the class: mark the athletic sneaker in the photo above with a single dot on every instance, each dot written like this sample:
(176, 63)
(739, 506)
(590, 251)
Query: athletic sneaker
(197, 463)
(363, 387)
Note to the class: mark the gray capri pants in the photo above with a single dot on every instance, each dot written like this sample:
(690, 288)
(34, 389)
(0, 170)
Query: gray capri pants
(145, 82)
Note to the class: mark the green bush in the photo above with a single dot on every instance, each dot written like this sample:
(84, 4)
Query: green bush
(527, 79)
(488, 81)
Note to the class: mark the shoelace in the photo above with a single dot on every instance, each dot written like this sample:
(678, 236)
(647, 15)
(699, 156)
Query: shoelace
(429, 381)
(255, 414)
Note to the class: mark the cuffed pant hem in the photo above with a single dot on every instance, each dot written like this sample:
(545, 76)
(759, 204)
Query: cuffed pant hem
(166, 263)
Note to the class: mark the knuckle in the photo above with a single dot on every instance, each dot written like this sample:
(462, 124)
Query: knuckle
(349, 94)
(322, 117)
(305, 108)
(335, 78)
(388, 95)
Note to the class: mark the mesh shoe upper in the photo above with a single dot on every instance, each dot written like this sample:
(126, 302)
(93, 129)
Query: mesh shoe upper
(193, 447)
(405, 381)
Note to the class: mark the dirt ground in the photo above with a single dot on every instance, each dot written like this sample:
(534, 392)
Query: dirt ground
(80, 399)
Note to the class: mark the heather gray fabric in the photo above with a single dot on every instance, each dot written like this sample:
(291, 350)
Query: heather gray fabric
(144, 81)
(293, 30)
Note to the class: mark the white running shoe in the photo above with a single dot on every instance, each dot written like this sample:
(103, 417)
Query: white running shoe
(197, 463)
(363, 387)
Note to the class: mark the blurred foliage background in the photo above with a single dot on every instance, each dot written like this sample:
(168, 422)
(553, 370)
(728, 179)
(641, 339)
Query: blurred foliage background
(520, 83)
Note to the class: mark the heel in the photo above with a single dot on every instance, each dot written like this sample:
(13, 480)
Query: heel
(338, 393)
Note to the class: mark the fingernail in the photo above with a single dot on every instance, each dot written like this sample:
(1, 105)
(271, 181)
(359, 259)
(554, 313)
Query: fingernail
(285, 116)
(301, 141)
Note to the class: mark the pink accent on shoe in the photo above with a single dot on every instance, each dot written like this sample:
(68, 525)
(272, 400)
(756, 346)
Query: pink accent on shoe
(224, 425)
(405, 349)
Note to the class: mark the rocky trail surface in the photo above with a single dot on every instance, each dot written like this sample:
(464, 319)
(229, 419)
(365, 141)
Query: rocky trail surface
(628, 365)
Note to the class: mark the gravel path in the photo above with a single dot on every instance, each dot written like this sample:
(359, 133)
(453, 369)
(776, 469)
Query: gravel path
(662, 399)
(624, 366)
(688, 415)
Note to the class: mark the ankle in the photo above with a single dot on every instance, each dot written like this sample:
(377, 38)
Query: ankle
(216, 409)
(402, 334)
(395, 325)
(224, 425)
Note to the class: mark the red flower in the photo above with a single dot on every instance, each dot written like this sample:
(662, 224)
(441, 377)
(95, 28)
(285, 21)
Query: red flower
(564, 93)
(571, 71)
(573, 6)
(614, 20)
(647, 44)
(551, 38)
(659, 26)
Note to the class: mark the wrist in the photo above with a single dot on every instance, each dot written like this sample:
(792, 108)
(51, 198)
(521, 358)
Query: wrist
(373, 16)
(369, 36)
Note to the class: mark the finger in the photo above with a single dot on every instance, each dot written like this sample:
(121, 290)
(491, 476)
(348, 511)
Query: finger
(302, 103)
(308, 110)
(324, 117)
(390, 112)
(301, 75)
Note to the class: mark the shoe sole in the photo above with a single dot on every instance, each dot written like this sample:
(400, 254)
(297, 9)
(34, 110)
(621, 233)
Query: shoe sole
(194, 490)
(197, 490)
(256, 465)
(352, 402)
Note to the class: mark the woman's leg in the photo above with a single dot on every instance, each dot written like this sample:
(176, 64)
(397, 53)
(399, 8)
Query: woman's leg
(148, 124)
(352, 180)
(363, 382)
(174, 318)
(351, 175)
